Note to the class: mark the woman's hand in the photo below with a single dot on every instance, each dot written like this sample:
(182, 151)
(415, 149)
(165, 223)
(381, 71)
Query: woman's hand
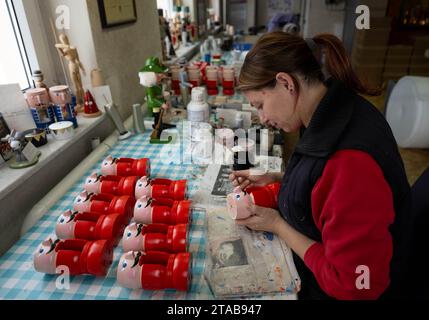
(262, 219)
(253, 178)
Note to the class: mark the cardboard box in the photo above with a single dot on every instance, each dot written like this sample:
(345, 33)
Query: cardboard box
(368, 55)
(396, 68)
(422, 70)
(400, 50)
(375, 4)
(397, 60)
(372, 37)
(393, 76)
(421, 41)
(381, 22)
(399, 55)
(370, 74)
(378, 8)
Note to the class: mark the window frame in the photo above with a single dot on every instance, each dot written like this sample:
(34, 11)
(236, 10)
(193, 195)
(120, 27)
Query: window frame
(10, 6)
(35, 41)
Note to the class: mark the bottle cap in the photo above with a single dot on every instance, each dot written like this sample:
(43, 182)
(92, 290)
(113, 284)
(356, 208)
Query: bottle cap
(198, 95)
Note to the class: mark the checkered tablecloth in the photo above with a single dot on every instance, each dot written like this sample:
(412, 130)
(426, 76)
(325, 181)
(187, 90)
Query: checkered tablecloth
(19, 280)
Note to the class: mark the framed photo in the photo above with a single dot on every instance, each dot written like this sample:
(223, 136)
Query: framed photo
(117, 12)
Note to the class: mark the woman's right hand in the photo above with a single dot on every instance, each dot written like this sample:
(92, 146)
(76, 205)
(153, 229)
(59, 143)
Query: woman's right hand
(252, 178)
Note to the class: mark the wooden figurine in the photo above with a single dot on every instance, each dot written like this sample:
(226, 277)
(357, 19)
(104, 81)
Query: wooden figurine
(17, 142)
(38, 80)
(91, 109)
(151, 76)
(71, 54)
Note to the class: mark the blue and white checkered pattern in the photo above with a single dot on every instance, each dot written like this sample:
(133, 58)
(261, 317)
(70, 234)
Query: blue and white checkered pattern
(19, 280)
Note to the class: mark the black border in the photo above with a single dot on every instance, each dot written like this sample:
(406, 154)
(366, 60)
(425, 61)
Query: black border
(103, 17)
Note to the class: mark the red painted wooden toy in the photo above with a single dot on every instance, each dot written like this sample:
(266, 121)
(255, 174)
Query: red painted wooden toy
(238, 201)
(125, 167)
(155, 271)
(105, 204)
(79, 256)
(114, 185)
(155, 237)
(161, 189)
(90, 226)
(164, 211)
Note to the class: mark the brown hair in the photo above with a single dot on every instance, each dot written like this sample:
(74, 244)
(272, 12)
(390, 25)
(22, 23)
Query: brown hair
(283, 52)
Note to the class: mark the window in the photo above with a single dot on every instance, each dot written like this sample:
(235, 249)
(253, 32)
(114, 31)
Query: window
(167, 6)
(14, 62)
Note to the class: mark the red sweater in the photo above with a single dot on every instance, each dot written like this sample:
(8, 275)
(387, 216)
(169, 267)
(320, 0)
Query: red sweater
(353, 208)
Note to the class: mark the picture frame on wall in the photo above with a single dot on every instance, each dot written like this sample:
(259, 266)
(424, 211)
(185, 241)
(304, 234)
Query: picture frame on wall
(117, 12)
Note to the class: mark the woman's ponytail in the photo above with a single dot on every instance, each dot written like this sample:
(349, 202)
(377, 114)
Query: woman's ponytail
(337, 64)
(312, 59)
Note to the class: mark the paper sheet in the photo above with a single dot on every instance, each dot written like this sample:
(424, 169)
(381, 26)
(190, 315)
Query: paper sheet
(14, 108)
(246, 263)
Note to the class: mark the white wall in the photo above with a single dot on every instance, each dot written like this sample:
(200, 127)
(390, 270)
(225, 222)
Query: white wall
(192, 4)
(79, 35)
(166, 5)
(119, 52)
(216, 5)
(263, 17)
(319, 19)
(122, 51)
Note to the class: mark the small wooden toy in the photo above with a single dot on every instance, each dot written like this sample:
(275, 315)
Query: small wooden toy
(161, 189)
(75, 67)
(91, 109)
(18, 143)
(63, 105)
(125, 167)
(228, 81)
(155, 271)
(114, 185)
(212, 80)
(155, 237)
(90, 226)
(105, 204)
(38, 101)
(79, 256)
(164, 211)
(239, 200)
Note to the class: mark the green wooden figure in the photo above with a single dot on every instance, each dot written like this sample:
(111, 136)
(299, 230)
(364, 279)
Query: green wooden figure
(151, 76)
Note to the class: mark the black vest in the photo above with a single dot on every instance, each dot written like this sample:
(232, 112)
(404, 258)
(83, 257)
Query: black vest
(343, 120)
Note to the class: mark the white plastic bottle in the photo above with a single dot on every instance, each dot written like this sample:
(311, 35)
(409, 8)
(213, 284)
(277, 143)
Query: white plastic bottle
(198, 108)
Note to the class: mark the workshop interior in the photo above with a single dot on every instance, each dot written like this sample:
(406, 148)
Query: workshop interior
(214, 150)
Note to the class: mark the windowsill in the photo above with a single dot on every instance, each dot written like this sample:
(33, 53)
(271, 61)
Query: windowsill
(11, 179)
